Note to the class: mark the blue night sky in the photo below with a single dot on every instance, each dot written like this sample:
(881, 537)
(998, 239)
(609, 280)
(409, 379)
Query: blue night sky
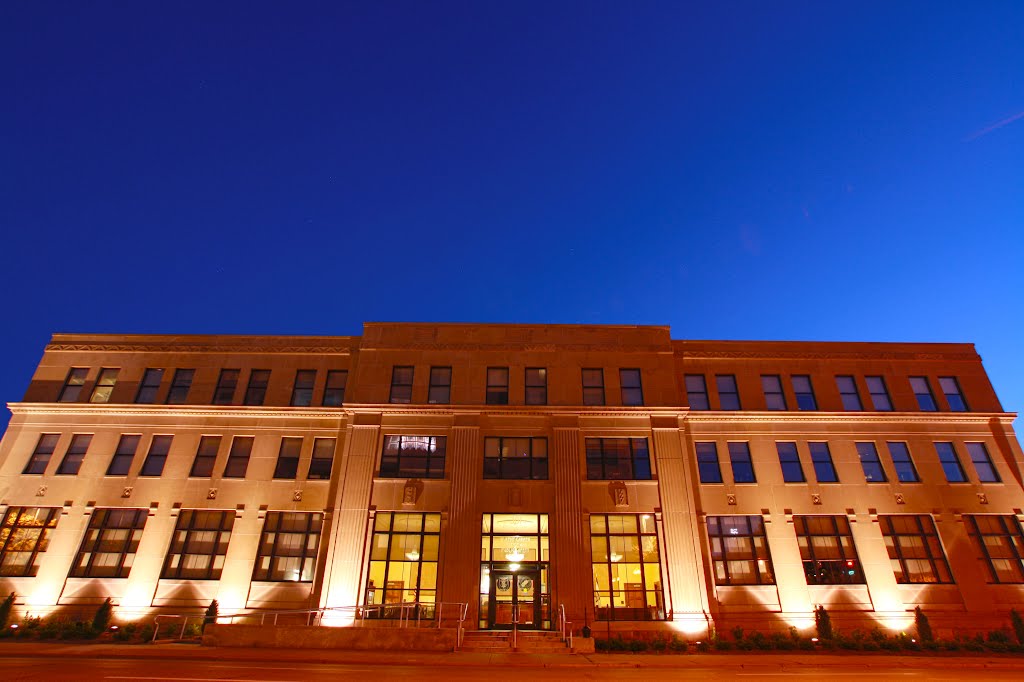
(740, 170)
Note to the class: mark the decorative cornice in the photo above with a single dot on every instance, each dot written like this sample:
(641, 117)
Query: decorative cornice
(267, 348)
(522, 347)
(780, 417)
(687, 354)
(184, 411)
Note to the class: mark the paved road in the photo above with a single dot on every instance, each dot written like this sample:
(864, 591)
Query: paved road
(54, 669)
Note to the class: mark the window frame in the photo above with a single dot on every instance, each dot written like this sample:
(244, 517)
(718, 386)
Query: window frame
(439, 391)
(630, 390)
(740, 460)
(237, 464)
(1011, 542)
(535, 390)
(320, 472)
(154, 456)
(534, 472)
(639, 463)
(925, 400)
(205, 457)
(898, 555)
(428, 539)
(955, 399)
(15, 520)
(72, 392)
(106, 379)
(721, 565)
(287, 462)
(612, 536)
(806, 401)
(41, 455)
(181, 385)
(227, 386)
(124, 455)
(334, 396)
(867, 453)
(700, 394)
(785, 465)
(817, 459)
(497, 393)
(877, 396)
(590, 388)
(189, 530)
(401, 391)
(303, 387)
(950, 462)
(732, 395)
(984, 466)
(709, 468)
(307, 554)
(845, 396)
(389, 469)
(95, 538)
(148, 390)
(256, 387)
(909, 461)
(71, 463)
(779, 394)
(845, 547)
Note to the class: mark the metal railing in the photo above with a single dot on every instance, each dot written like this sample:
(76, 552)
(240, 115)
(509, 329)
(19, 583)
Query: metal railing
(184, 623)
(564, 626)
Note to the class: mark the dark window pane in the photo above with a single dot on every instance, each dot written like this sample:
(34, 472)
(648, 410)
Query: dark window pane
(789, 460)
(728, 394)
(707, 463)
(697, 392)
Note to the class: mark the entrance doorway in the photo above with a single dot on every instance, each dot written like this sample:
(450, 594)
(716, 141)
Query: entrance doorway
(515, 597)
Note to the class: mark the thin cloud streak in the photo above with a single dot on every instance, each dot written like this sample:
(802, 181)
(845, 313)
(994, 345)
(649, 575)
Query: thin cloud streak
(994, 126)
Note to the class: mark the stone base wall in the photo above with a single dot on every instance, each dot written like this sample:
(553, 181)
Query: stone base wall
(357, 638)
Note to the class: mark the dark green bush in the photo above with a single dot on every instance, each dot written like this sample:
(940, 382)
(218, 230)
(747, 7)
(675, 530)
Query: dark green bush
(723, 645)
(637, 645)
(104, 611)
(924, 628)
(998, 637)
(5, 610)
(678, 645)
(737, 634)
(823, 623)
(1017, 623)
(211, 614)
(659, 644)
(704, 646)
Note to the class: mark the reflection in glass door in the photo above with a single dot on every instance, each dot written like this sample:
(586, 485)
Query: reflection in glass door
(514, 597)
(514, 571)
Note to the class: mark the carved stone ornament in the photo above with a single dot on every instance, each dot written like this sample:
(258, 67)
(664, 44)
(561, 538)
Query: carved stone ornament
(211, 494)
(900, 499)
(40, 491)
(983, 498)
(296, 496)
(127, 491)
(619, 493)
(411, 492)
(730, 499)
(815, 498)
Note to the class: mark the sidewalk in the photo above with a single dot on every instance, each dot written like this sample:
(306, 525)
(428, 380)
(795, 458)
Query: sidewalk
(766, 662)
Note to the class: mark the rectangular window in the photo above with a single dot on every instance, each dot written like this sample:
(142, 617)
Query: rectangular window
(109, 546)
(41, 455)
(610, 459)
(728, 393)
(288, 458)
(742, 466)
(1000, 541)
(180, 385)
(24, 535)
(288, 547)
(206, 457)
(199, 545)
(627, 567)
(593, 386)
(827, 550)
(847, 386)
(497, 385)
(871, 463)
(632, 390)
(256, 391)
(413, 457)
(238, 457)
(804, 391)
(821, 460)
(954, 396)
(121, 462)
(536, 386)
(697, 392)
(774, 398)
(739, 550)
(950, 463)
(334, 391)
(923, 392)
(149, 386)
(159, 448)
(227, 382)
(982, 463)
(906, 472)
(401, 384)
(915, 552)
(707, 462)
(321, 460)
(104, 385)
(302, 390)
(73, 385)
(789, 460)
(879, 394)
(403, 563)
(72, 461)
(516, 458)
(440, 391)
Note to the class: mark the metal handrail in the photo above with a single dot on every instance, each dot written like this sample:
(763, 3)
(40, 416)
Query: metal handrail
(184, 623)
(515, 627)
(564, 626)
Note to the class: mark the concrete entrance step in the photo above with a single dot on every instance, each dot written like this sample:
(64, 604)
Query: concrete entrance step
(500, 641)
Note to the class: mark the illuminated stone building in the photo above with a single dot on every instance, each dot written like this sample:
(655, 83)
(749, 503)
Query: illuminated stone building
(637, 481)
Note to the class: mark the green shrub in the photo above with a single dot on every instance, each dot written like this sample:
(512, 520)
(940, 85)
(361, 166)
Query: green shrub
(823, 623)
(998, 637)
(723, 645)
(659, 643)
(759, 641)
(678, 645)
(211, 614)
(1017, 623)
(101, 620)
(704, 646)
(737, 633)
(637, 645)
(5, 610)
(924, 628)
(806, 645)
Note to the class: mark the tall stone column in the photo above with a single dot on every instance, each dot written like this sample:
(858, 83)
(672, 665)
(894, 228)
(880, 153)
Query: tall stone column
(350, 514)
(460, 578)
(686, 584)
(874, 561)
(572, 580)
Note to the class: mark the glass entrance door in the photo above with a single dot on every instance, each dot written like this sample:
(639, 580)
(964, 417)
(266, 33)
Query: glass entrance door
(515, 596)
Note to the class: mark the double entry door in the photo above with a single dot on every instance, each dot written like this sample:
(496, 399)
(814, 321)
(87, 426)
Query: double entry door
(515, 597)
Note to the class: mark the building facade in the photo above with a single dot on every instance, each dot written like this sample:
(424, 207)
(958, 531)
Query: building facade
(632, 480)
